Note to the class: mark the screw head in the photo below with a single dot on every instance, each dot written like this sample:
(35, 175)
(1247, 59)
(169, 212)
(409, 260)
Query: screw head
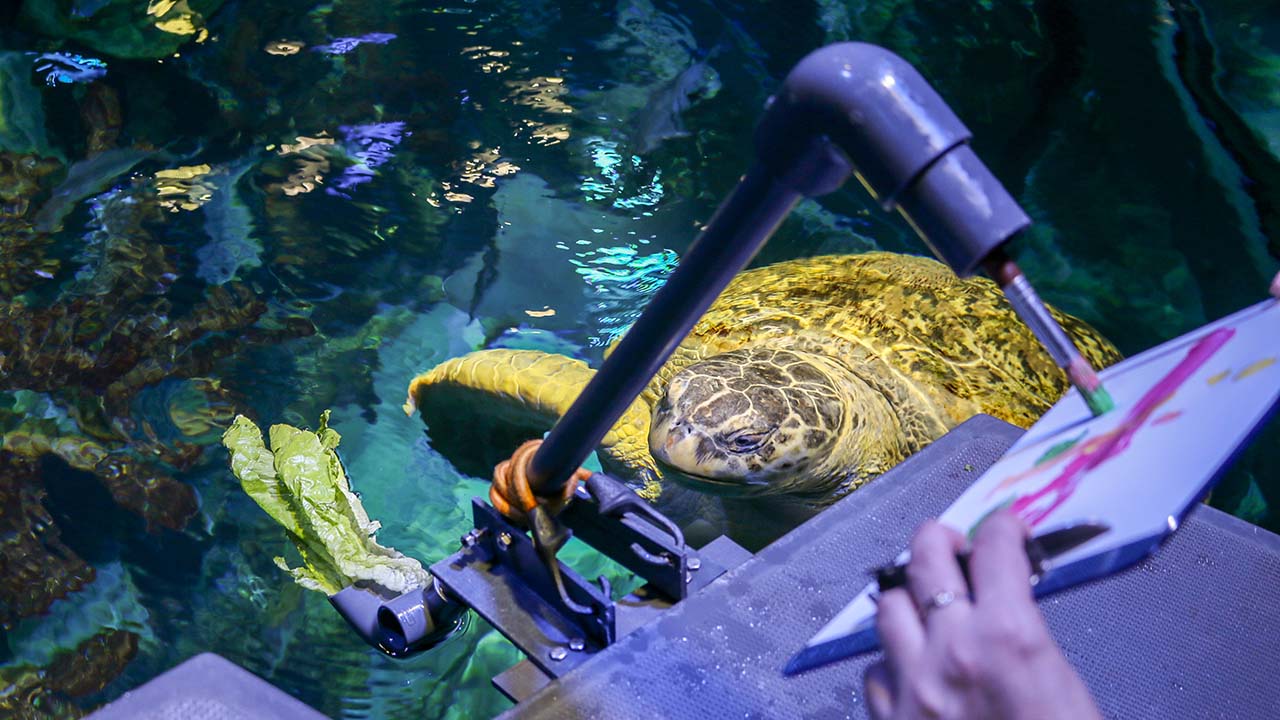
(469, 540)
(558, 654)
(577, 645)
(504, 539)
(694, 563)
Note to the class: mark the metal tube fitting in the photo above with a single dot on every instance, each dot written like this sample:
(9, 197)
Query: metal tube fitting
(403, 625)
(905, 144)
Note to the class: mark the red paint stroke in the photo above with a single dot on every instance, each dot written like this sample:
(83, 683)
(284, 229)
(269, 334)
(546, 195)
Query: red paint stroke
(1089, 455)
(1167, 417)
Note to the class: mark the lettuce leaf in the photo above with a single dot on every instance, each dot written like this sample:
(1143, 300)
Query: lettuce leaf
(300, 483)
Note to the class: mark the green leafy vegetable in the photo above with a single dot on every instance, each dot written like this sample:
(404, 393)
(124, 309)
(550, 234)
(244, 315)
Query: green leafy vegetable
(299, 481)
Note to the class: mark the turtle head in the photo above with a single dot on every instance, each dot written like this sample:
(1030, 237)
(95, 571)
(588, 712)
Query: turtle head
(753, 421)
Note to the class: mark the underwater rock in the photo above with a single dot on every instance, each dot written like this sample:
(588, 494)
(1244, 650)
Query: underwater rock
(24, 260)
(200, 408)
(22, 121)
(136, 482)
(93, 351)
(23, 179)
(110, 602)
(36, 568)
(47, 693)
(102, 117)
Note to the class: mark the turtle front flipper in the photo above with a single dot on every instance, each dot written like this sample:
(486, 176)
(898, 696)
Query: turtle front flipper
(479, 408)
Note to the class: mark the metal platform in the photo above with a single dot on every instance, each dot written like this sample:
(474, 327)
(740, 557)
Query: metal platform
(206, 687)
(1190, 633)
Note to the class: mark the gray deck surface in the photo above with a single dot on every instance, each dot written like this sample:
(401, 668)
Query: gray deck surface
(1193, 632)
(206, 687)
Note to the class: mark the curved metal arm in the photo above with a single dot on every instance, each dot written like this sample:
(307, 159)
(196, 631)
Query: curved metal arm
(846, 107)
(906, 145)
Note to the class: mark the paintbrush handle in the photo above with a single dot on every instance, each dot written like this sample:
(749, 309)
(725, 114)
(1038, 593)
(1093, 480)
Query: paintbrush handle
(894, 575)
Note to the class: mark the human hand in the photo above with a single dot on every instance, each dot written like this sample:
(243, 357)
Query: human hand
(1275, 285)
(989, 657)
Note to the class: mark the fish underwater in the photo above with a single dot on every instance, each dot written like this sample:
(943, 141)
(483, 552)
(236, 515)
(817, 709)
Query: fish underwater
(660, 119)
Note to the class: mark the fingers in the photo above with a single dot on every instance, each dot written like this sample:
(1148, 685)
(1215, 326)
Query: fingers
(901, 634)
(998, 565)
(878, 687)
(933, 568)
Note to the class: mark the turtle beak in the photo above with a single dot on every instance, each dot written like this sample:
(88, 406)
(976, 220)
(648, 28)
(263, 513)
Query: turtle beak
(664, 437)
(675, 445)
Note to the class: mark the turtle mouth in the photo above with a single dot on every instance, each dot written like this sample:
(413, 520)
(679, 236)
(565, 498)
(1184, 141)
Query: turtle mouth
(736, 487)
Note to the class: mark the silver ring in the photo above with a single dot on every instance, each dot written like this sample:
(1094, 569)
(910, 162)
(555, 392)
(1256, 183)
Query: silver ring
(938, 600)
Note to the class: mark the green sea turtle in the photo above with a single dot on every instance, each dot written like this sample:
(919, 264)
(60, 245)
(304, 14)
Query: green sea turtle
(805, 379)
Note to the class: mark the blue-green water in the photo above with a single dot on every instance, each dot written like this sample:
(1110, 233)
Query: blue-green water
(274, 208)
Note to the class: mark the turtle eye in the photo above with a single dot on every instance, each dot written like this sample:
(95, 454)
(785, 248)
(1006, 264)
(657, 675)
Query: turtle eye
(744, 441)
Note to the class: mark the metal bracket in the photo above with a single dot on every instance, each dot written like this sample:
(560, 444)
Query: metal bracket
(501, 576)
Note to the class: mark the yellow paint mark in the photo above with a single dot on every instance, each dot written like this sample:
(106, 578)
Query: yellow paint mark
(1256, 367)
(1219, 377)
(545, 312)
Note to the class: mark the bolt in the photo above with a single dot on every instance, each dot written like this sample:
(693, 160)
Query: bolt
(576, 644)
(558, 653)
(469, 540)
(504, 540)
(694, 563)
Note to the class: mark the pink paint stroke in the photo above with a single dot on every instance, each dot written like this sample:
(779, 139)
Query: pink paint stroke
(1094, 453)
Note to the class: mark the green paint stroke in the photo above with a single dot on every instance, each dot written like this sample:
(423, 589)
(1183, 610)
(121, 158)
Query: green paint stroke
(1059, 448)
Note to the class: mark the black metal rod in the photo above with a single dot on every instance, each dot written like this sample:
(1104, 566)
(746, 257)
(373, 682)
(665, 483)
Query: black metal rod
(741, 225)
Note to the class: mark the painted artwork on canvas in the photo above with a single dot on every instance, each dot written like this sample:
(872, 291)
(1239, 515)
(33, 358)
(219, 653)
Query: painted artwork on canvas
(1183, 410)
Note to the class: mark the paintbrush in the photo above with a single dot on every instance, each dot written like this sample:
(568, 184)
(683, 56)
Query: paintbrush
(1028, 305)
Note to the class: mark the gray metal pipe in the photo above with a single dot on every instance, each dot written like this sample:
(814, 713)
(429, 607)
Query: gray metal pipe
(742, 224)
(907, 148)
(403, 624)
